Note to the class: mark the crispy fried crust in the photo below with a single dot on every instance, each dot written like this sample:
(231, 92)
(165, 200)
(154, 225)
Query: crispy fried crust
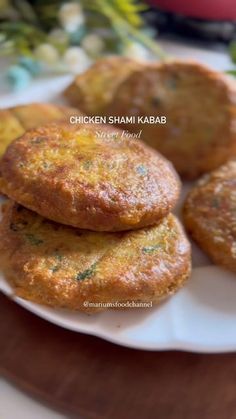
(94, 89)
(71, 175)
(64, 267)
(15, 121)
(210, 215)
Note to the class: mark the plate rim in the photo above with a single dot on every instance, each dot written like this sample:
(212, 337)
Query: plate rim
(174, 343)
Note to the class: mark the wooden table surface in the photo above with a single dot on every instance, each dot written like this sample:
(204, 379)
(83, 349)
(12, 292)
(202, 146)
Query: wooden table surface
(86, 377)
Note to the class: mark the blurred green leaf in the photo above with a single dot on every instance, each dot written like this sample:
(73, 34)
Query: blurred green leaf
(125, 9)
(23, 36)
(26, 11)
(231, 72)
(232, 50)
(130, 10)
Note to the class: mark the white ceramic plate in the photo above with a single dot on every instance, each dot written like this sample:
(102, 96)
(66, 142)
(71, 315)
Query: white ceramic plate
(201, 317)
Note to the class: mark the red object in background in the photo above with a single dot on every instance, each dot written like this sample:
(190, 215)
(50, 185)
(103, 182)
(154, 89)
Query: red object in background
(203, 9)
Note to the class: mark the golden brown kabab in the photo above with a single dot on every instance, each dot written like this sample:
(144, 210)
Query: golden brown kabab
(60, 266)
(95, 88)
(89, 177)
(199, 105)
(15, 121)
(210, 215)
(10, 128)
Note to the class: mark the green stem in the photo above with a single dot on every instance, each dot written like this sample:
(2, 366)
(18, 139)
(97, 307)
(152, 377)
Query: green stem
(149, 43)
(124, 29)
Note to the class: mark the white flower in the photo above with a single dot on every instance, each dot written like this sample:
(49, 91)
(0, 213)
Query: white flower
(47, 53)
(71, 16)
(93, 44)
(136, 51)
(76, 60)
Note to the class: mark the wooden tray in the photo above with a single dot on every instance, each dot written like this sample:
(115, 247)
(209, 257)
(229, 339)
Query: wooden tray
(86, 377)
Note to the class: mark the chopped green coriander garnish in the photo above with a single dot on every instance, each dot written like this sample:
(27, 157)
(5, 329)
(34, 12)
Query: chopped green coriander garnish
(33, 239)
(151, 249)
(142, 170)
(87, 273)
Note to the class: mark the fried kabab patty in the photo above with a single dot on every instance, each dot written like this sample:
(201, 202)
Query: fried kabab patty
(60, 266)
(92, 90)
(210, 215)
(15, 121)
(199, 105)
(73, 175)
